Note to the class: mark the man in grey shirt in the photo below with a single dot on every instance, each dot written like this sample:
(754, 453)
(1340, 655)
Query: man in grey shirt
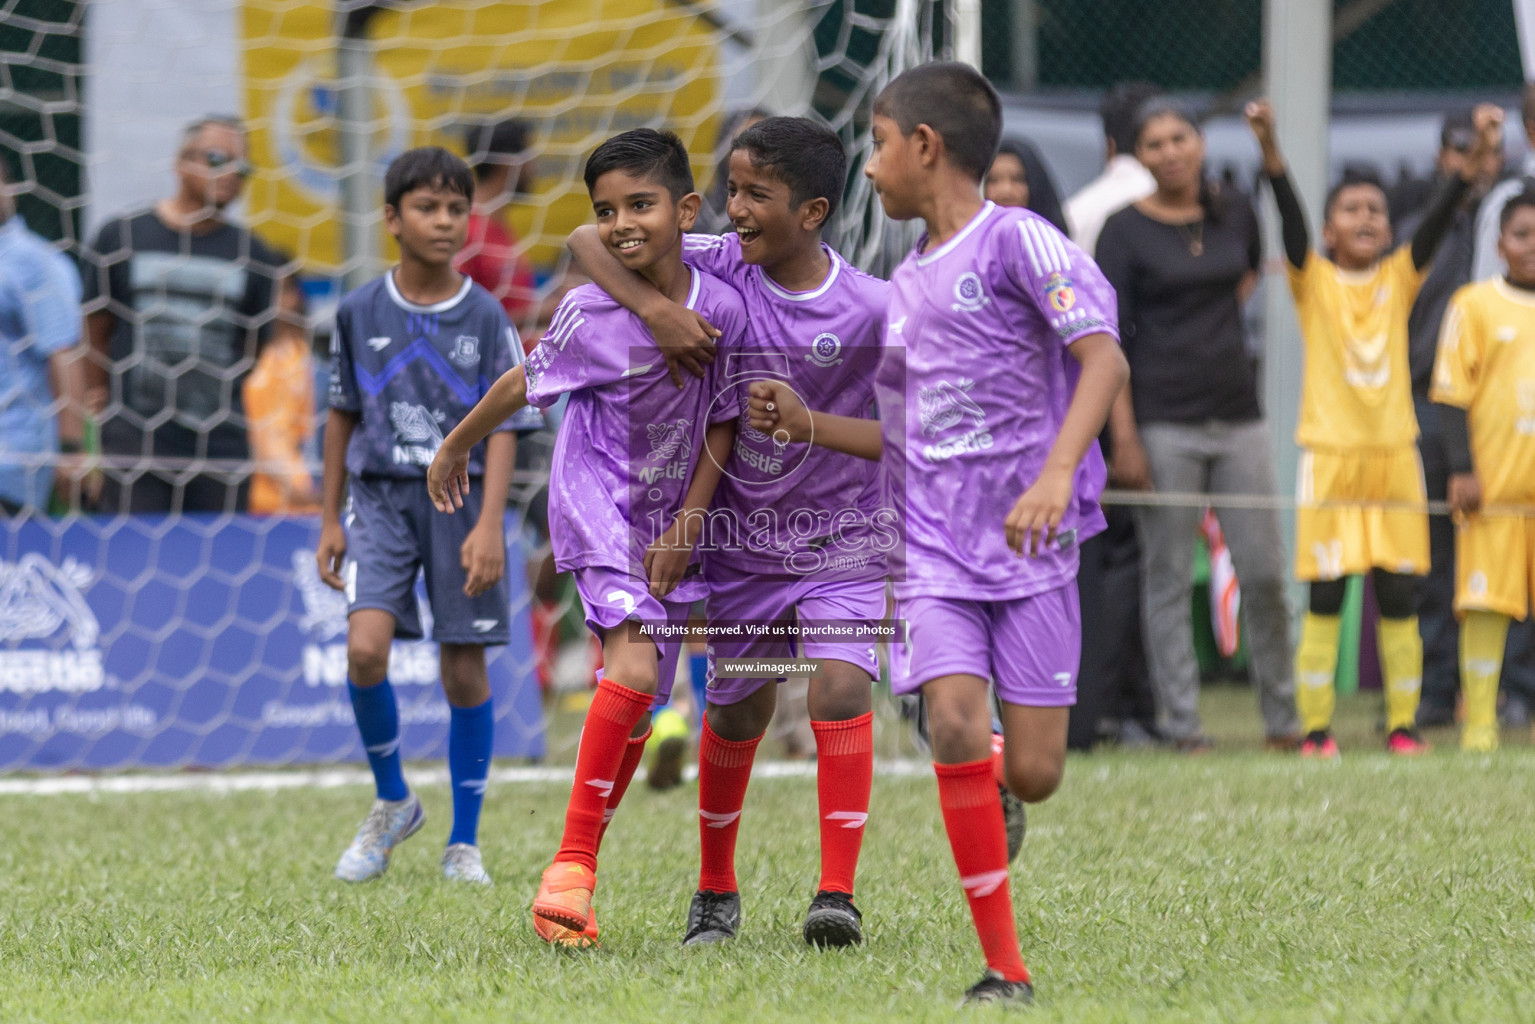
(177, 300)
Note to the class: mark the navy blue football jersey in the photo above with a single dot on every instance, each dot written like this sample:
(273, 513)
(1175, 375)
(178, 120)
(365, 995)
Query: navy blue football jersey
(412, 372)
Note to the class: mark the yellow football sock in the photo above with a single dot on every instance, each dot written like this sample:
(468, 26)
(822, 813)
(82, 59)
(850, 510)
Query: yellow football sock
(1316, 661)
(1482, 635)
(1401, 661)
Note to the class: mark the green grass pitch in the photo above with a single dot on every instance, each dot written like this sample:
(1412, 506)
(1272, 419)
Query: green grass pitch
(1238, 886)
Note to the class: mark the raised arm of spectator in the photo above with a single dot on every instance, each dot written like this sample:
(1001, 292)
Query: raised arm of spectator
(1441, 208)
(1292, 217)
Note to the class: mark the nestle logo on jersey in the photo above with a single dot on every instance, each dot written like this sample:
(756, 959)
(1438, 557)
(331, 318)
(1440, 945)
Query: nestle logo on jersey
(670, 471)
(760, 461)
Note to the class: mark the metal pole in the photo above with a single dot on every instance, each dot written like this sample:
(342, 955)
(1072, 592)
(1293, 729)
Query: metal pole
(1524, 26)
(1297, 67)
(967, 32)
(1025, 45)
(783, 63)
(354, 112)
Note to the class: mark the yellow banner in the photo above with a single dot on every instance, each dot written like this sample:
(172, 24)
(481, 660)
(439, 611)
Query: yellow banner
(576, 71)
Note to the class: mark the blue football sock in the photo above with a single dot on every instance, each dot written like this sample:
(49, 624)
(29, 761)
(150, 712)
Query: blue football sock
(378, 719)
(698, 675)
(470, 732)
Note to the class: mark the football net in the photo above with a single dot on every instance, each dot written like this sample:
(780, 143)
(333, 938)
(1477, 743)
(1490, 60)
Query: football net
(209, 640)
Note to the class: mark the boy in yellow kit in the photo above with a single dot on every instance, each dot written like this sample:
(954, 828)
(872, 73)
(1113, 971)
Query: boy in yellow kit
(1360, 482)
(1484, 377)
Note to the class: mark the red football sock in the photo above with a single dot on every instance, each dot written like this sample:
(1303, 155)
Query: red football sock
(972, 815)
(844, 773)
(998, 765)
(633, 754)
(724, 769)
(614, 712)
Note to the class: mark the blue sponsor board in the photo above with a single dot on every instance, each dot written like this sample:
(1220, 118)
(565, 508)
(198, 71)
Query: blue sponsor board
(208, 641)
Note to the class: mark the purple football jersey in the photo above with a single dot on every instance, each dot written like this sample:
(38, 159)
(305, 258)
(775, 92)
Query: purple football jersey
(795, 509)
(629, 438)
(973, 388)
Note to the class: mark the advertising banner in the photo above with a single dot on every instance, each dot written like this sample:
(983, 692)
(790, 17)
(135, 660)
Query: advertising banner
(196, 641)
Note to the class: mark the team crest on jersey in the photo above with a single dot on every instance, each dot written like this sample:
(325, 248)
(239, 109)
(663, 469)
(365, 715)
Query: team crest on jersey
(969, 295)
(826, 350)
(1059, 293)
(466, 350)
(1526, 422)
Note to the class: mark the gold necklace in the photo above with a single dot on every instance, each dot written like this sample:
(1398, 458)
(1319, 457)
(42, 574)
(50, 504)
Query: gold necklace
(1195, 238)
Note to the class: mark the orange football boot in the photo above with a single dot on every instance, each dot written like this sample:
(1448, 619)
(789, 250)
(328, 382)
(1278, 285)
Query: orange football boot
(565, 895)
(559, 935)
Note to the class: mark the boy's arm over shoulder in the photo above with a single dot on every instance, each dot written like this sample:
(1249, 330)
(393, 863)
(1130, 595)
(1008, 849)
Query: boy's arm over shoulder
(1070, 290)
(725, 302)
(718, 255)
(685, 338)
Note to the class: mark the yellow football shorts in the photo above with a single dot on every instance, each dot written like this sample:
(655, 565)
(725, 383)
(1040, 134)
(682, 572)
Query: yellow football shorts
(1334, 539)
(1495, 564)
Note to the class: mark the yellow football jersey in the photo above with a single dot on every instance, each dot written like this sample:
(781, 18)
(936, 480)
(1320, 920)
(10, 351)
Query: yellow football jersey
(1357, 389)
(1486, 365)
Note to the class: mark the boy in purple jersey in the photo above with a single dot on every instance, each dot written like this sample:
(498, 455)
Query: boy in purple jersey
(412, 352)
(628, 486)
(978, 405)
(796, 534)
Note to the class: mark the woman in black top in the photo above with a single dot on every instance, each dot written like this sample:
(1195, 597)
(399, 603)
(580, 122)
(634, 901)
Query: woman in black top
(1184, 260)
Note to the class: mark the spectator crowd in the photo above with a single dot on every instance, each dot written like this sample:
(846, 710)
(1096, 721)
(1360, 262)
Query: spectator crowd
(173, 372)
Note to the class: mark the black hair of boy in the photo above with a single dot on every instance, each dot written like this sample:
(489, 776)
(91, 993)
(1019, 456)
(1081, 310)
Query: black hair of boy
(485, 142)
(807, 157)
(955, 101)
(1352, 178)
(427, 167)
(1119, 107)
(1524, 198)
(647, 154)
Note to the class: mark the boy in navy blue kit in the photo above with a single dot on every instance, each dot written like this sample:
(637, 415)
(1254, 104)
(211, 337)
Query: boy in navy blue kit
(413, 352)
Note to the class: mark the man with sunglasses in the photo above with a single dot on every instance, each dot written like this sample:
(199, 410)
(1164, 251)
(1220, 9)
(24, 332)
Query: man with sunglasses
(178, 300)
